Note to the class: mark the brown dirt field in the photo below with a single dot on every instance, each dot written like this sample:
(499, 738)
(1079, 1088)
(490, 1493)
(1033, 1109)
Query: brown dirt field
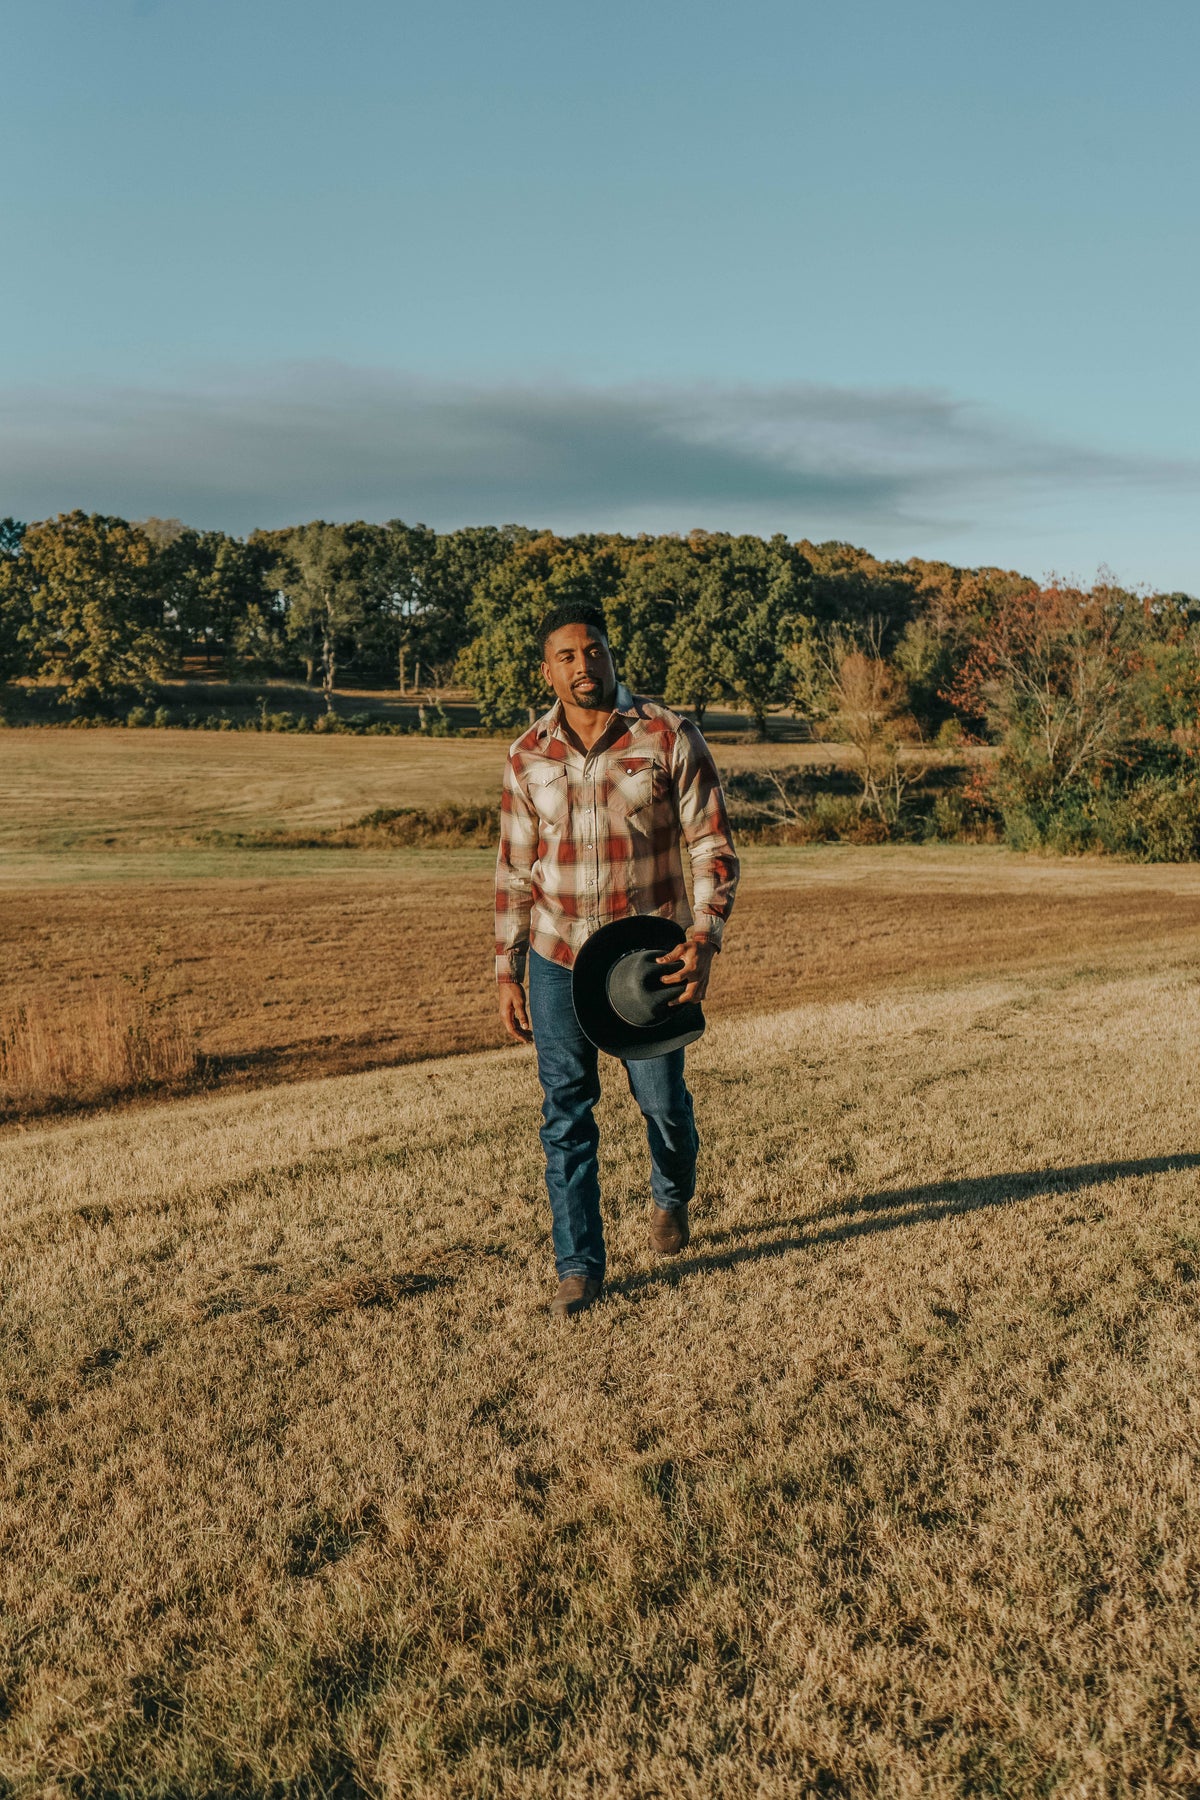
(290, 978)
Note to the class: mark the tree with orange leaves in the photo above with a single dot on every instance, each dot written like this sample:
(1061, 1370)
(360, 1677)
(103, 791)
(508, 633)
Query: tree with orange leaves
(1048, 677)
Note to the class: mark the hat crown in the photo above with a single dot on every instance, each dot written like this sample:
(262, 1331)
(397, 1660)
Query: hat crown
(635, 988)
(625, 1010)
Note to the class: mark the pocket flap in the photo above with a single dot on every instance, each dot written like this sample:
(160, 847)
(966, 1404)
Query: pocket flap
(637, 781)
(547, 784)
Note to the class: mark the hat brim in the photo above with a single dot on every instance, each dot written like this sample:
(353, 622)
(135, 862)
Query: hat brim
(600, 1023)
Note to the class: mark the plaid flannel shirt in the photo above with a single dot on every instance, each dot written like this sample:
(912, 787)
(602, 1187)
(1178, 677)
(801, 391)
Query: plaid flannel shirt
(584, 840)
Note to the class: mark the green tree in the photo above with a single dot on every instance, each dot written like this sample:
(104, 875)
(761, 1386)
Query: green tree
(659, 586)
(462, 562)
(694, 654)
(171, 579)
(255, 645)
(417, 590)
(751, 601)
(14, 601)
(850, 587)
(502, 663)
(397, 557)
(215, 582)
(767, 591)
(926, 658)
(95, 612)
(320, 569)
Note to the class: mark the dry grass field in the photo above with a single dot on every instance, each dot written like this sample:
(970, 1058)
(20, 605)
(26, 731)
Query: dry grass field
(292, 964)
(117, 790)
(887, 1487)
(71, 791)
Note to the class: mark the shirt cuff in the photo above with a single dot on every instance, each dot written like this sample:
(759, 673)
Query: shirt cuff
(510, 965)
(708, 929)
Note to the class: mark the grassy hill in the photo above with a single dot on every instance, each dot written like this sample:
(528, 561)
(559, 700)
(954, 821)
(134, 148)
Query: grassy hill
(888, 1486)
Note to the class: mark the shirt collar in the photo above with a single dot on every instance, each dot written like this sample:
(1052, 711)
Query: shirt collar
(624, 704)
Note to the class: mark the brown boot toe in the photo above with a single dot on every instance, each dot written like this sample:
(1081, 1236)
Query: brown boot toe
(669, 1230)
(575, 1294)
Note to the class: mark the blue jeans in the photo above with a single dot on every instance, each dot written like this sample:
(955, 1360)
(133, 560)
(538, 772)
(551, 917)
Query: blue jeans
(568, 1069)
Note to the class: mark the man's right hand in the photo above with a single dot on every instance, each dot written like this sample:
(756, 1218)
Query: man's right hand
(514, 1013)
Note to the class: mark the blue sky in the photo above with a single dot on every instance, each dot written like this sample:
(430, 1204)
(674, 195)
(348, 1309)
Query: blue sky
(925, 276)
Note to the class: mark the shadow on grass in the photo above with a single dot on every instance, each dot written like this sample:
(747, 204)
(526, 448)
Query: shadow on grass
(889, 1210)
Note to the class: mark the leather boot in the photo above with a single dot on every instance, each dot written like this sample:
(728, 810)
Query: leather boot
(575, 1294)
(669, 1230)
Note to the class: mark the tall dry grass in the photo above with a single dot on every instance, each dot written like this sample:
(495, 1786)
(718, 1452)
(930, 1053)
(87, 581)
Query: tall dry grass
(887, 1487)
(110, 1039)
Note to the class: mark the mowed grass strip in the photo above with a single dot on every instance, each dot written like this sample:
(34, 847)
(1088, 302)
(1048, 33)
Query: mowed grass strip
(145, 790)
(888, 1486)
(138, 791)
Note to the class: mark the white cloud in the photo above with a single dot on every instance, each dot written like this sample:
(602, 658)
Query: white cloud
(274, 447)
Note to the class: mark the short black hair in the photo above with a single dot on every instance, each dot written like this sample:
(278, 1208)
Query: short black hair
(571, 612)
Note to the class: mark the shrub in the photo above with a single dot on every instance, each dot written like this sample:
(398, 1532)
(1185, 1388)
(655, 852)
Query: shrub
(434, 721)
(1158, 820)
(825, 805)
(442, 826)
(449, 827)
(1039, 812)
(949, 817)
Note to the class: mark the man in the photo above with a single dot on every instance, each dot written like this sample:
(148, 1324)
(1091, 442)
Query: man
(596, 796)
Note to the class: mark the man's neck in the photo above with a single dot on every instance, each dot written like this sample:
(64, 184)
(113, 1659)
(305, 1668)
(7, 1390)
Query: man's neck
(586, 725)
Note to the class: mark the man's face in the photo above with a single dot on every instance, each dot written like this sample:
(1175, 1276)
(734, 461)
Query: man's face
(579, 668)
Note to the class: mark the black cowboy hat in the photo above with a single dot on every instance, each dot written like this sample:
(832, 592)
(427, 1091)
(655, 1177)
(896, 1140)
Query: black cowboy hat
(618, 992)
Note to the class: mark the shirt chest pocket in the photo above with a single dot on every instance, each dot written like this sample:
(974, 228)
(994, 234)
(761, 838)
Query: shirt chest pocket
(548, 792)
(638, 783)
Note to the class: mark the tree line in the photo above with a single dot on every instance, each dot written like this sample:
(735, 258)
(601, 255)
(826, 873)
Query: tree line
(106, 608)
(1090, 698)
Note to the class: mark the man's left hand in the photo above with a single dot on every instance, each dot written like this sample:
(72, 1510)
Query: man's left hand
(695, 959)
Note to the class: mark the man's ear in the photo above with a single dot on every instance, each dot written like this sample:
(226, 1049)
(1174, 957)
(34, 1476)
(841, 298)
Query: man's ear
(546, 675)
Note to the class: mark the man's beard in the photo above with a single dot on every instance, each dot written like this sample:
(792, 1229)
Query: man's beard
(593, 701)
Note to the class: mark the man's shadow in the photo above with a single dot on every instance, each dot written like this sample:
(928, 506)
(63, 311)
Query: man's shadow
(890, 1210)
